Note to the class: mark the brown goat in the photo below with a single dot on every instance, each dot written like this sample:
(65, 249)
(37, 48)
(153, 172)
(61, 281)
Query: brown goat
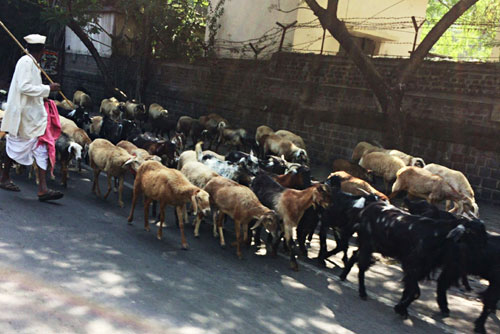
(168, 186)
(419, 182)
(291, 205)
(353, 185)
(352, 169)
(242, 205)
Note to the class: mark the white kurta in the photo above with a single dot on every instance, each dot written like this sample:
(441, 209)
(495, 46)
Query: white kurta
(25, 116)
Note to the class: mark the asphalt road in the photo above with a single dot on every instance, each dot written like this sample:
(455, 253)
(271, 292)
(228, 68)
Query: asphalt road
(76, 266)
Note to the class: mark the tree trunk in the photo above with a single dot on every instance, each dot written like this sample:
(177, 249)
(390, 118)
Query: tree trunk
(390, 99)
(82, 35)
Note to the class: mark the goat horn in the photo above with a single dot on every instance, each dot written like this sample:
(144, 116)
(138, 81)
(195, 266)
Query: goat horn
(363, 191)
(257, 224)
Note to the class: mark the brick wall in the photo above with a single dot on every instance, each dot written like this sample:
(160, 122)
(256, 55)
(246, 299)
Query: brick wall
(454, 107)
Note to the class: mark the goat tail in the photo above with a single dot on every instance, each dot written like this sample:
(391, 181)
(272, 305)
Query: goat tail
(199, 151)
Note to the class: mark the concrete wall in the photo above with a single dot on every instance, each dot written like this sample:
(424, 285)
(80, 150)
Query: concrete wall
(387, 23)
(454, 108)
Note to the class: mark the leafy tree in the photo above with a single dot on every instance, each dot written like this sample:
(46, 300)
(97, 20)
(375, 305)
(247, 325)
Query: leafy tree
(389, 92)
(474, 33)
(173, 29)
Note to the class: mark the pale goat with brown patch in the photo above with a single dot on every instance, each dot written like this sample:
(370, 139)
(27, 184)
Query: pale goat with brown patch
(458, 181)
(243, 206)
(141, 154)
(274, 144)
(114, 161)
(383, 165)
(296, 139)
(262, 131)
(363, 148)
(421, 183)
(112, 108)
(169, 187)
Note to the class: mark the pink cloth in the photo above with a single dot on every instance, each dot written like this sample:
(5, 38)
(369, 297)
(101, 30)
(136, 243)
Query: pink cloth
(52, 132)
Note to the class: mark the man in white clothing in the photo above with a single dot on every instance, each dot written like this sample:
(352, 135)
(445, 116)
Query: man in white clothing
(25, 118)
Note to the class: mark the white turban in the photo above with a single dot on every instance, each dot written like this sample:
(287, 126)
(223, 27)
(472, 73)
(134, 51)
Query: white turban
(35, 39)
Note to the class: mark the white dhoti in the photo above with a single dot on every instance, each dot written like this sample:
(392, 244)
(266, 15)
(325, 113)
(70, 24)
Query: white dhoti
(25, 151)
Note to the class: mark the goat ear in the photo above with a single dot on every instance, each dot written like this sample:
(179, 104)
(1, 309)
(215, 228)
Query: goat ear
(456, 233)
(194, 203)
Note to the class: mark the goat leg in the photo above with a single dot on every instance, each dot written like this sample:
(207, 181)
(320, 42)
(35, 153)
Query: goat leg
(348, 267)
(197, 223)
(490, 299)
(237, 231)
(443, 284)
(95, 186)
(465, 282)
(364, 261)
(147, 202)
(135, 195)
(109, 186)
(120, 192)
(220, 218)
(293, 260)
(180, 210)
(64, 173)
(410, 293)
(159, 234)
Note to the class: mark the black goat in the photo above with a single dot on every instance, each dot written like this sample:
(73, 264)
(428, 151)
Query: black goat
(117, 131)
(341, 216)
(78, 115)
(163, 125)
(421, 245)
(481, 260)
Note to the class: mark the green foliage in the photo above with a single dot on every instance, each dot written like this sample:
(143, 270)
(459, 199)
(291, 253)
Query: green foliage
(472, 36)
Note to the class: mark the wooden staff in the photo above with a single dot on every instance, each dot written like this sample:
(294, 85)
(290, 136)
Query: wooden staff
(36, 63)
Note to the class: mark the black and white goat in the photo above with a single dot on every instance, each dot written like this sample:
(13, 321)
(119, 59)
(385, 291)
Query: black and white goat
(421, 244)
(66, 150)
(271, 164)
(242, 171)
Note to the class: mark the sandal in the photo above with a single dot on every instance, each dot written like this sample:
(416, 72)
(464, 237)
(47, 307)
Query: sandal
(9, 186)
(50, 195)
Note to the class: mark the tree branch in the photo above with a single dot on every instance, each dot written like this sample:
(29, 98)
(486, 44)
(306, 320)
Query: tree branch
(432, 37)
(329, 20)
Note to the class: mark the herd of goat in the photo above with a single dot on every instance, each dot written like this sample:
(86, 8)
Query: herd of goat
(271, 187)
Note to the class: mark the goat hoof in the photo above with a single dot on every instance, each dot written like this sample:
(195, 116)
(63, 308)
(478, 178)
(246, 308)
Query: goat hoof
(185, 247)
(121, 204)
(158, 237)
(343, 277)
(363, 296)
(294, 266)
(197, 236)
(322, 263)
(147, 229)
(130, 220)
(401, 310)
(223, 246)
(445, 313)
(479, 329)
